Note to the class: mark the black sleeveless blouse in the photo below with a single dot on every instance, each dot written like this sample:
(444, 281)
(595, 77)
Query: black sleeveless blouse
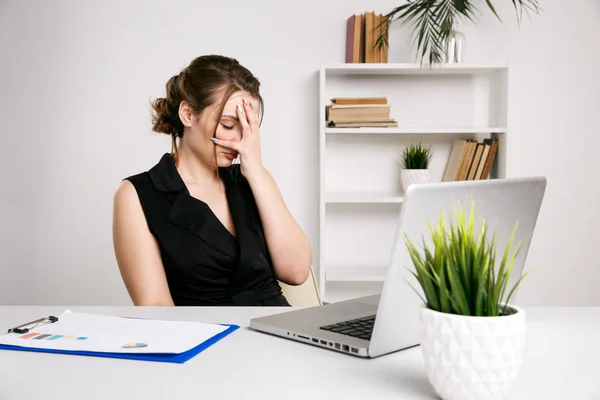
(204, 263)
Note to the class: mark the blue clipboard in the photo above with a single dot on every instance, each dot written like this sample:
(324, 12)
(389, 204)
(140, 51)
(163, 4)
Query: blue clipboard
(179, 358)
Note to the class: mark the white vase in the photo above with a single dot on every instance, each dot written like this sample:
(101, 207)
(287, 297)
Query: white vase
(472, 357)
(412, 176)
(453, 48)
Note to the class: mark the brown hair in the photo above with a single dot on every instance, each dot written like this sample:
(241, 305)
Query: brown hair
(200, 84)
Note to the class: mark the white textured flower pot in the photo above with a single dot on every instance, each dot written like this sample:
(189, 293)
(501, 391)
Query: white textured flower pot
(472, 357)
(410, 176)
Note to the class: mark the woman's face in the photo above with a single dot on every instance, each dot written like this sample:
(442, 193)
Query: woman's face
(228, 127)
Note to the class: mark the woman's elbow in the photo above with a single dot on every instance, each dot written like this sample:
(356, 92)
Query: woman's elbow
(298, 274)
(298, 278)
(151, 301)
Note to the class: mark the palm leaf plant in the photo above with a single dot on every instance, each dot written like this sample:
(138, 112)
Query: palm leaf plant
(416, 156)
(458, 273)
(433, 21)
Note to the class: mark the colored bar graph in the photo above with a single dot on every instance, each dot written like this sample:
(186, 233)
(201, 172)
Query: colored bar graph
(49, 336)
(29, 335)
(40, 337)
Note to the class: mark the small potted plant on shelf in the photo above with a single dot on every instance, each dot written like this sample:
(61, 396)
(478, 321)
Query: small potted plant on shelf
(415, 160)
(472, 338)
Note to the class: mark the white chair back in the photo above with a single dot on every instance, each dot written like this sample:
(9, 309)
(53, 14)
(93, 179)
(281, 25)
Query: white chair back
(305, 295)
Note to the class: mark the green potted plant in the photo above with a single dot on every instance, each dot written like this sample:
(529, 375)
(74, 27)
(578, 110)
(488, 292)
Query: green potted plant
(433, 23)
(472, 337)
(414, 160)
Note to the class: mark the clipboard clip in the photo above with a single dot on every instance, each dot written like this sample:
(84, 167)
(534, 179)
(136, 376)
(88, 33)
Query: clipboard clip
(33, 324)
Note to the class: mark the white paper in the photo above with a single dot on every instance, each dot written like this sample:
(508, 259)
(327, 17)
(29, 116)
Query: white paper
(103, 333)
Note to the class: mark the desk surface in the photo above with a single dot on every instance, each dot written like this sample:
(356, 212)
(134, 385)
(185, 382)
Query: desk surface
(561, 361)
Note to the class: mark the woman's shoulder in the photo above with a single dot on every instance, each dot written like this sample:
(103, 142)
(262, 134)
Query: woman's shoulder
(134, 185)
(126, 201)
(161, 175)
(129, 189)
(136, 178)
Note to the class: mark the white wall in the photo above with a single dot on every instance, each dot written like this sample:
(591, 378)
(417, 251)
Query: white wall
(77, 77)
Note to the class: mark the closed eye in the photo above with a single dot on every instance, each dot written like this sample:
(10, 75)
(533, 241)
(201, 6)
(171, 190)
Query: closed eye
(227, 127)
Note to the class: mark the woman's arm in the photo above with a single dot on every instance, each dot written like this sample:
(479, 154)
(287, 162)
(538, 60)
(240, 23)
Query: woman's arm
(137, 252)
(288, 246)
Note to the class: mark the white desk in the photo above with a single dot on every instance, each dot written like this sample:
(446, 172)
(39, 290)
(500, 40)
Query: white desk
(562, 361)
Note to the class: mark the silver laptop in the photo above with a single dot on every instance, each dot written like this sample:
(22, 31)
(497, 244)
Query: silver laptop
(376, 325)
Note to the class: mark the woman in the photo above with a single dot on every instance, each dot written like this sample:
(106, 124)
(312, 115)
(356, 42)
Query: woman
(199, 229)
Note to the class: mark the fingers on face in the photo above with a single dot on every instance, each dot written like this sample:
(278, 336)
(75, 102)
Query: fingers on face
(226, 143)
(251, 112)
(242, 115)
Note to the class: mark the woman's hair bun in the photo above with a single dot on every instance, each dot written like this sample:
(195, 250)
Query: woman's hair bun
(159, 118)
(165, 110)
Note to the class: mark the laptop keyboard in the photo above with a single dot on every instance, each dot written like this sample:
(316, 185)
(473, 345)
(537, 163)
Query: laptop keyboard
(361, 328)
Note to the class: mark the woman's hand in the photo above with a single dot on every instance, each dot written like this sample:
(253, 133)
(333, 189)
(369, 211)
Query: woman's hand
(249, 146)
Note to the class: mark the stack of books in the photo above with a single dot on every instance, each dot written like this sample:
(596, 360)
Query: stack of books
(362, 32)
(345, 112)
(470, 160)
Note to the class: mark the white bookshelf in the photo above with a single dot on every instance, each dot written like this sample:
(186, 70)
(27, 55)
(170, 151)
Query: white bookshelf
(360, 194)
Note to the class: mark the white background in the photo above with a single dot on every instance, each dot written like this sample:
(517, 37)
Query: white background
(77, 77)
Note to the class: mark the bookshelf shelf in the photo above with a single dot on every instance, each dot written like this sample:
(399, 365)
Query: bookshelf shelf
(414, 131)
(413, 69)
(360, 194)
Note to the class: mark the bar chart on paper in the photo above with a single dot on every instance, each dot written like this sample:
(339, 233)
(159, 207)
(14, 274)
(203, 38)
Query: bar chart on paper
(47, 336)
